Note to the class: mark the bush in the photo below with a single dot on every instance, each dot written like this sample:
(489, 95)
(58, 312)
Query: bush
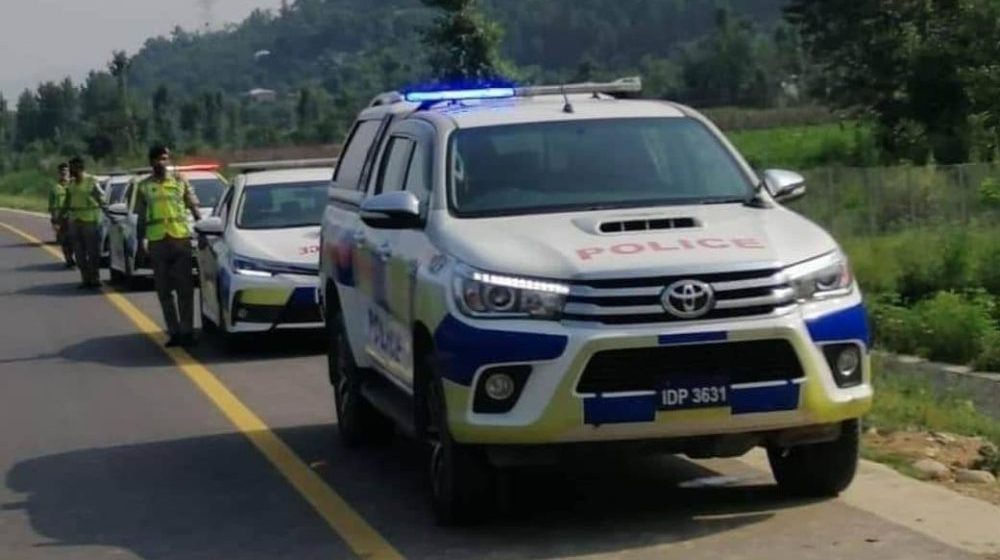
(953, 328)
(989, 357)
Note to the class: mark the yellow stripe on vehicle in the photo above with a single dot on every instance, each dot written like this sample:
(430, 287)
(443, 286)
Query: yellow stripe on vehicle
(265, 296)
(361, 537)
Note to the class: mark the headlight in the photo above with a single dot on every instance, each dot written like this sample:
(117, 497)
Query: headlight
(481, 294)
(824, 277)
(249, 267)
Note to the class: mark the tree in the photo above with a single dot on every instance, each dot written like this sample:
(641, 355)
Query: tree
(899, 62)
(27, 119)
(464, 45)
(163, 116)
(118, 67)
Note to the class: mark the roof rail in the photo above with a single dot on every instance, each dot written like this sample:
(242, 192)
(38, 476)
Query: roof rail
(250, 166)
(631, 84)
(386, 98)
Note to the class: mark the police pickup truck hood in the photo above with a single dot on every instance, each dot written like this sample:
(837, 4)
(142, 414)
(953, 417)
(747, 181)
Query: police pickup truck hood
(655, 241)
(296, 246)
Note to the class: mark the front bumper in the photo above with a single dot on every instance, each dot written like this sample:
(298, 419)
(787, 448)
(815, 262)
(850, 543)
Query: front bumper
(258, 304)
(551, 409)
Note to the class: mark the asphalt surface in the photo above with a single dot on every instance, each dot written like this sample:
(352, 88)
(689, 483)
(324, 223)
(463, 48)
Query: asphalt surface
(107, 450)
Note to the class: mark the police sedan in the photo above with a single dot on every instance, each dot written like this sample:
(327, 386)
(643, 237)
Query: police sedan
(127, 258)
(258, 255)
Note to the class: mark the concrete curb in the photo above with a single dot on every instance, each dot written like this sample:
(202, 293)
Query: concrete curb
(982, 388)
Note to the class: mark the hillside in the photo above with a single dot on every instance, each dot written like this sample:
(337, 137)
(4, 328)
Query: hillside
(331, 43)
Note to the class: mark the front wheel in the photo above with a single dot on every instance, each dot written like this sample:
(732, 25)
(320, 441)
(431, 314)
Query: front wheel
(358, 422)
(819, 469)
(463, 483)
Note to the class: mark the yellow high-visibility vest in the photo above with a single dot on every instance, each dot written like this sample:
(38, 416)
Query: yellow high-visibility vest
(82, 206)
(166, 213)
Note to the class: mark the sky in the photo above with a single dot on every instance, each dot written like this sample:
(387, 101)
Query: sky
(43, 40)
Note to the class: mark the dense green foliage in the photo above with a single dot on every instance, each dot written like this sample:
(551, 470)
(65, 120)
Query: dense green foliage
(925, 71)
(300, 75)
(934, 293)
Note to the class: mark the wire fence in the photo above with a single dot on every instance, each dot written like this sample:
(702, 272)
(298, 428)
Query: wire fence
(877, 200)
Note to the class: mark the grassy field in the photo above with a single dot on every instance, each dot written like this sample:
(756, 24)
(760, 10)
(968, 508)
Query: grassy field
(803, 147)
(24, 202)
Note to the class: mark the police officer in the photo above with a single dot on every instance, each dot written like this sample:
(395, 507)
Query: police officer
(60, 223)
(162, 202)
(83, 206)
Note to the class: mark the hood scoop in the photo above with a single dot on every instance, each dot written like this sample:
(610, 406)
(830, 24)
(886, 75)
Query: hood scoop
(647, 224)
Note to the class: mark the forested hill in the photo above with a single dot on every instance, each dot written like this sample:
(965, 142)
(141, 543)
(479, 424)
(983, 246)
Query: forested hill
(357, 44)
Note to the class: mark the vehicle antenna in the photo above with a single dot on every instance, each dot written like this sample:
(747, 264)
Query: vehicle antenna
(568, 107)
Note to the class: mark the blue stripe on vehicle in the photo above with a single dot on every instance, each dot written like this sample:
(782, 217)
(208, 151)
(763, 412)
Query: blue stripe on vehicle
(846, 324)
(764, 399)
(302, 297)
(691, 338)
(462, 349)
(619, 410)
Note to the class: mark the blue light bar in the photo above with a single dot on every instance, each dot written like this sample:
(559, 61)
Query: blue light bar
(460, 94)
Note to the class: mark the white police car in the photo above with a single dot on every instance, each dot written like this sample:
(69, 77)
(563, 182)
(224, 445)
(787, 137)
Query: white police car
(127, 258)
(515, 275)
(258, 253)
(114, 188)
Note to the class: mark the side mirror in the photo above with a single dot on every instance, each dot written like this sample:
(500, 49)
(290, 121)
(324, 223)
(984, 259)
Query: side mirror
(784, 186)
(210, 226)
(393, 210)
(118, 210)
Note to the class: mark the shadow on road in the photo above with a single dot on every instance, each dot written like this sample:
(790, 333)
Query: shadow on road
(132, 350)
(51, 266)
(214, 497)
(279, 344)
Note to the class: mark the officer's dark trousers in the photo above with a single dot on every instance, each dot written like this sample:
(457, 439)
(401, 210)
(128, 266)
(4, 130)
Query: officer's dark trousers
(172, 272)
(86, 248)
(64, 238)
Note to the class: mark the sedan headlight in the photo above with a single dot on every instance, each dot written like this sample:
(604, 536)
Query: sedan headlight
(250, 267)
(823, 277)
(481, 294)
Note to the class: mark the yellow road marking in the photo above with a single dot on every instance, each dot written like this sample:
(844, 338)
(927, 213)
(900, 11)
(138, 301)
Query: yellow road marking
(359, 535)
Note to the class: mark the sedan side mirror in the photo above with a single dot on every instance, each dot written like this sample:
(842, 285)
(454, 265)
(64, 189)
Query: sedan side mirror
(784, 186)
(210, 226)
(393, 210)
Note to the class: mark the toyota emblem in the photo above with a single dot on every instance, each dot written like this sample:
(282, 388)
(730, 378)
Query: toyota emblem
(688, 299)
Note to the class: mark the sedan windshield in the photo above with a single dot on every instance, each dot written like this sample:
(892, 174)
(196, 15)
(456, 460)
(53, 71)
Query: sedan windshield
(208, 191)
(285, 205)
(590, 164)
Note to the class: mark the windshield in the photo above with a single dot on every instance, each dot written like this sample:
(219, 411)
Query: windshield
(614, 163)
(208, 191)
(284, 205)
(116, 193)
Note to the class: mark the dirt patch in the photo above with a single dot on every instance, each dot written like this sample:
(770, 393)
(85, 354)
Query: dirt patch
(902, 449)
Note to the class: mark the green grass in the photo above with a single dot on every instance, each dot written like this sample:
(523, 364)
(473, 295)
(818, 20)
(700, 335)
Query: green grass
(803, 147)
(905, 402)
(24, 202)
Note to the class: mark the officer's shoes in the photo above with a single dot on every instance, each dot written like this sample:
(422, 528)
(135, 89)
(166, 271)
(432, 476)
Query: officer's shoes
(188, 340)
(173, 341)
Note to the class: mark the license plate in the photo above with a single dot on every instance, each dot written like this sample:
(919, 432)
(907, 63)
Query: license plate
(689, 393)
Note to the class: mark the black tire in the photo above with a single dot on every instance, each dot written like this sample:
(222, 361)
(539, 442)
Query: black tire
(358, 422)
(116, 276)
(462, 482)
(819, 469)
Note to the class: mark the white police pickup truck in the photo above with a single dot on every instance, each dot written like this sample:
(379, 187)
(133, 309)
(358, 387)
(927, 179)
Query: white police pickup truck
(517, 274)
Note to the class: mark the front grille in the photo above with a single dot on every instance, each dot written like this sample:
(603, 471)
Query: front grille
(649, 369)
(638, 300)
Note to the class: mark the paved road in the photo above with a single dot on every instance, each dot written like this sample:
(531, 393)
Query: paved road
(109, 449)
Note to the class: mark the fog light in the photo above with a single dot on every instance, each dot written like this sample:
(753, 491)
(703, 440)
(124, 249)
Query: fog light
(846, 364)
(499, 386)
(242, 313)
(848, 361)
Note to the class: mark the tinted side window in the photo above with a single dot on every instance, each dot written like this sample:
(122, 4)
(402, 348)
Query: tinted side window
(395, 164)
(223, 208)
(353, 159)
